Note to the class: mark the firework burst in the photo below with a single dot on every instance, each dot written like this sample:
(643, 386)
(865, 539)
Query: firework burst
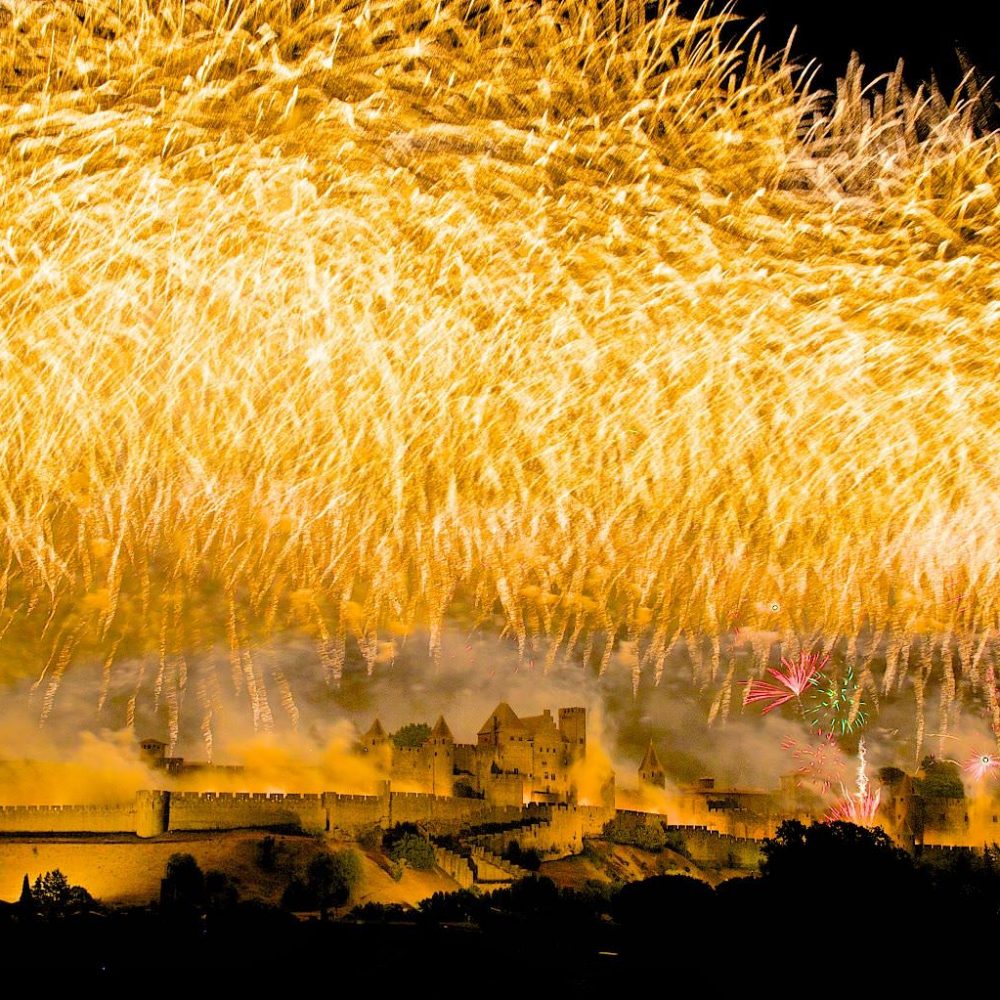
(794, 678)
(376, 337)
(820, 761)
(860, 808)
(836, 704)
(981, 765)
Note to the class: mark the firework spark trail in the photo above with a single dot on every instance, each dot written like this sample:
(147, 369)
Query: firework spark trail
(106, 675)
(862, 770)
(380, 319)
(287, 698)
(205, 702)
(861, 807)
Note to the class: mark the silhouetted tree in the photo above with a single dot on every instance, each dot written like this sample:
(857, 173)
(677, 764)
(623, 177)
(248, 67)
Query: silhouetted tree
(452, 906)
(267, 854)
(184, 882)
(640, 906)
(53, 895)
(837, 863)
(220, 893)
(26, 902)
(829, 851)
(298, 897)
(529, 858)
(51, 891)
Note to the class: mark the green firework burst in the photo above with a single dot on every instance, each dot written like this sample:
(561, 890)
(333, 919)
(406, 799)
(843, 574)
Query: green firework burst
(836, 704)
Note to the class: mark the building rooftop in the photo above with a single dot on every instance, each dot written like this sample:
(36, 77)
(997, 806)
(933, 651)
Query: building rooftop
(651, 762)
(538, 724)
(376, 732)
(441, 730)
(502, 717)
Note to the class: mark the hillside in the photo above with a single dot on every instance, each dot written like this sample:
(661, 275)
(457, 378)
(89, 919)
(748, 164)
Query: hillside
(120, 869)
(607, 863)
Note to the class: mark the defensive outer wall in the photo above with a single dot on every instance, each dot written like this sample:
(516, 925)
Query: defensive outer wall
(553, 830)
(153, 813)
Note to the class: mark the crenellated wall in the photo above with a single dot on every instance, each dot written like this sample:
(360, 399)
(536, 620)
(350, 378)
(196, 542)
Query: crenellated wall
(554, 833)
(442, 815)
(349, 814)
(456, 866)
(559, 828)
(553, 829)
(235, 810)
(709, 847)
(68, 819)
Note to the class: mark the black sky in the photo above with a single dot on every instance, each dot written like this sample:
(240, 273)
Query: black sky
(882, 31)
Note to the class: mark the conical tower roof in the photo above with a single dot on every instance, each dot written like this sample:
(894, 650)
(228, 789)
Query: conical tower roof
(376, 732)
(441, 730)
(651, 763)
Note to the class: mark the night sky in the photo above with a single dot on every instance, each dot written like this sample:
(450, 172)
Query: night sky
(882, 31)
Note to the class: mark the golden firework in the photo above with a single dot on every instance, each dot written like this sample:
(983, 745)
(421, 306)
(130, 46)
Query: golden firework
(323, 316)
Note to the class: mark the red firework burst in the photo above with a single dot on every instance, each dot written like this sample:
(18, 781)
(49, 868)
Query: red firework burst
(859, 809)
(822, 762)
(793, 679)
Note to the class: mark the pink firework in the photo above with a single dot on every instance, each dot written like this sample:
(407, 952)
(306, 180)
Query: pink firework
(979, 765)
(793, 678)
(858, 809)
(821, 763)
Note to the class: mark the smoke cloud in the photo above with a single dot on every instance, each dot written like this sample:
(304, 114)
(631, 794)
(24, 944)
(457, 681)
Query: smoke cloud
(291, 730)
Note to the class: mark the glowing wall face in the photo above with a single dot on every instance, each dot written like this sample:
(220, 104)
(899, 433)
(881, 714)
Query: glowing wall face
(326, 330)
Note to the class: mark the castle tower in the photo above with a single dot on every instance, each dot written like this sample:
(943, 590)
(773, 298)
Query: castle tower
(573, 726)
(440, 746)
(153, 752)
(377, 744)
(152, 813)
(651, 770)
(504, 740)
(375, 737)
(901, 810)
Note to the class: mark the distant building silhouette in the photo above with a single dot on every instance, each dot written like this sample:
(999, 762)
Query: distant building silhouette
(651, 770)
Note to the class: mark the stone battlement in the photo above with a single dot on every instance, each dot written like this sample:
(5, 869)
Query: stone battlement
(426, 795)
(224, 798)
(707, 831)
(554, 828)
(951, 849)
(20, 810)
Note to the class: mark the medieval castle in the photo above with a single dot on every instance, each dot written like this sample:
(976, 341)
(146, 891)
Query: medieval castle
(520, 781)
(514, 761)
